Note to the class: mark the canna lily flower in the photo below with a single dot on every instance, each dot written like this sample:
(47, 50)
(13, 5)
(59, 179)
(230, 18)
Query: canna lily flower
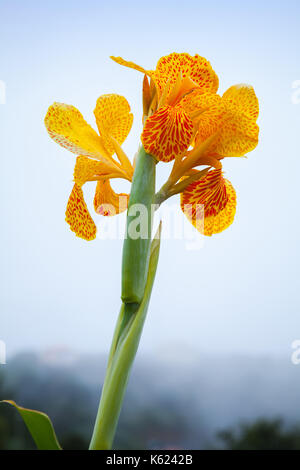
(228, 130)
(168, 101)
(95, 162)
(225, 127)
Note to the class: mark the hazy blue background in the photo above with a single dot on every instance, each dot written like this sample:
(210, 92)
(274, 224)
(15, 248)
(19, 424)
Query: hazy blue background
(240, 293)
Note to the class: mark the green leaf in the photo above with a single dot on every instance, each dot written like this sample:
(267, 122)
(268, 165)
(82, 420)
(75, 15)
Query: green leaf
(39, 426)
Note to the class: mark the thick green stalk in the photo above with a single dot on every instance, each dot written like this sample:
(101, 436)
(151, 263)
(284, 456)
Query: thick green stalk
(120, 364)
(138, 271)
(137, 242)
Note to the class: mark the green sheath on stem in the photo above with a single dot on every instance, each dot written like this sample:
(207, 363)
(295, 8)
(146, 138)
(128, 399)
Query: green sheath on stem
(120, 361)
(138, 271)
(137, 242)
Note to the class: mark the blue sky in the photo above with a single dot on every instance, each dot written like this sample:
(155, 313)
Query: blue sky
(240, 292)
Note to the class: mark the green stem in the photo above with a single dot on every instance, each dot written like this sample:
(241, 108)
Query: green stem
(111, 397)
(136, 245)
(138, 271)
(119, 367)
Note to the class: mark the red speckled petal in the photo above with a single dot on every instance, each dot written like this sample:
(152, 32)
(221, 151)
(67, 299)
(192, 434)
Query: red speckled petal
(196, 67)
(218, 198)
(78, 216)
(167, 133)
(237, 125)
(113, 118)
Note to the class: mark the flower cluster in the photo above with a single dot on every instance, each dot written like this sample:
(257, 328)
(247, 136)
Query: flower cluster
(184, 121)
(95, 162)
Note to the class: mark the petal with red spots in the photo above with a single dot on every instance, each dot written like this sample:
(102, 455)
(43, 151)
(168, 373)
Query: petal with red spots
(214, 198)
(206, 110)
(87, 169)
(113, 118)
(244, 97)
(167, 133)
(107, 202)
(238, 131)
(66, 126)
(197, 68)
(78, 216)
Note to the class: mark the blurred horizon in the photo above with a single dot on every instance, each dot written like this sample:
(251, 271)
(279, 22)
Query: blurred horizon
(195, 402)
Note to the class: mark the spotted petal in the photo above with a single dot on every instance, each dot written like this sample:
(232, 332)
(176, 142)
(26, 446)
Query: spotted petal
(113, 118)
(167, 133)
(107, 202)
(244, 97)
(87, 169)
(197, 68)
(78, 216)
(210, 203)
(238, 129)
(206, 110)
(66, 126)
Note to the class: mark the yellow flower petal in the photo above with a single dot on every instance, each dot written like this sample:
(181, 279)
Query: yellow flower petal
(206, 110)
(66, 126)
(127, 168)
(167, 133)
(78, 216)
(131, 65)
(197, 102)
(113, 119)
(238, 129)
(197, 68)
(244, 97)
(218, 198)
(107, 202)
(87, 169)
(134, 66)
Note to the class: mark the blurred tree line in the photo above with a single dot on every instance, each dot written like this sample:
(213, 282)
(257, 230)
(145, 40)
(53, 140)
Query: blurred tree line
(72, 404)
(160, 423)
(261, 435)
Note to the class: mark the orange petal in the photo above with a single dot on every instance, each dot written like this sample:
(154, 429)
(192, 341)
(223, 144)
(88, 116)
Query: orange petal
(107, 202)
(147, 98)
(78, 216)
(113, 118)
(66, 126)
(218, 198)
(197, 68)
(167, 133)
